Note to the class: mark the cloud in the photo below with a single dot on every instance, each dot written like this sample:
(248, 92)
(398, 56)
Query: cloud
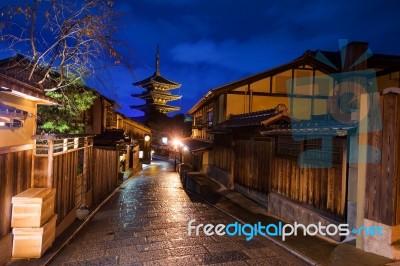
(246, 57)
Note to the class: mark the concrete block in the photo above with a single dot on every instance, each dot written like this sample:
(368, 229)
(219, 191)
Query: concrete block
(386, 245)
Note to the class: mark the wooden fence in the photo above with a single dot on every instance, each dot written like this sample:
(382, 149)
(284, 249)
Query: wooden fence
(319, 188)
(259, 165)
(15, 177)
(223, 155)
(105, 172)
(253, 163)
(64, 163)
(81, 174)
(382, 195)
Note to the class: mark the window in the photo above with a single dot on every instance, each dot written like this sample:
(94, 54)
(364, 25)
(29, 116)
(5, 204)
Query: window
(198, 121)
(287, 146)
(329, 151)
(313, 151)
(209, 118)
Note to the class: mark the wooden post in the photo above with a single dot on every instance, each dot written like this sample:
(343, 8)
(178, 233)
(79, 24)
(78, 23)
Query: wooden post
(344, 178)
(85, 169)
(362, 165)
(32, 184)
(50, 158)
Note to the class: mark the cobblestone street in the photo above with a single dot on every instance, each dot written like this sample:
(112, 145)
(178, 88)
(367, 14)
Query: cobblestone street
(146, 223)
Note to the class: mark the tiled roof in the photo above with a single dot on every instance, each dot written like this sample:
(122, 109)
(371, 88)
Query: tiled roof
(197, 145)
(157, 94)
(158, 79)
(318, 127)
(111, 137)
(156, 105)
(249, 119)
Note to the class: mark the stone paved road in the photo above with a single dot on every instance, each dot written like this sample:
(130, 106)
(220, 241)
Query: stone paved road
(145, 223)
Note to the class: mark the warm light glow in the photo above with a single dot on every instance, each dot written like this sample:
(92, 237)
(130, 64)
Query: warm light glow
(185, 148)
(176, 142)
(2, 124)
(147, 138)
(140, 154)
(164, 140)
(152, 151)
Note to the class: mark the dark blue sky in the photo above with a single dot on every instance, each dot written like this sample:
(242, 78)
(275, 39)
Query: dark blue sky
(207, 43)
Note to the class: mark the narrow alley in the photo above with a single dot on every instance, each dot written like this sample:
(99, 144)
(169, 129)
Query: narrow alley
(146, 223)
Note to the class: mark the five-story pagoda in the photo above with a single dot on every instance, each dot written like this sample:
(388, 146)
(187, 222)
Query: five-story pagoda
(156, 93)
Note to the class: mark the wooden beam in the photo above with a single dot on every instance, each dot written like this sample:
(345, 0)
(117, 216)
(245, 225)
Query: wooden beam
(344, 179)
(50, 164)
(11, 149)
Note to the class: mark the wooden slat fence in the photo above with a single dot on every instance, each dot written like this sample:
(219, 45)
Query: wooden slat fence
(382, 195)
(105, 172)
(319, 188)
(253, 162)
(223, 153)
(259, 165)
(15, 177)
(70, 164)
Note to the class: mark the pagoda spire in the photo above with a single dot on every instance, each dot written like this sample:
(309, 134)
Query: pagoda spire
(156, 92)
(158, 60)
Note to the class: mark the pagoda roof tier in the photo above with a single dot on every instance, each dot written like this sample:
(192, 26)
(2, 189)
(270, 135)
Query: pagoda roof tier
(157, 95)
(162, 108)
(158, 82)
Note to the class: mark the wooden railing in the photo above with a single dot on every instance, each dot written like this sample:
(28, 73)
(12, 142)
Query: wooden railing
(51, 144)
(64, 162)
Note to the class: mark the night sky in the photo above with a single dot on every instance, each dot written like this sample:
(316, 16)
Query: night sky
(207, 43)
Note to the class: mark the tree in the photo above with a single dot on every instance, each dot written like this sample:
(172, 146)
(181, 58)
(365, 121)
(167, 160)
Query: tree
(63, 42)
(68, 37)
(68, 117)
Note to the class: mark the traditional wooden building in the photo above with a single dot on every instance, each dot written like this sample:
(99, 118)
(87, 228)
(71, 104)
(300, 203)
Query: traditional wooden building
(157, 93)
(101, 115)
(80, 173)
(18, 109)
(316, 161)
(113, 129)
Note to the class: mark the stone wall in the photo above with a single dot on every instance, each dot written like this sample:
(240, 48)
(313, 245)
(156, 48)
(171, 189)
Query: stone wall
(291, 212)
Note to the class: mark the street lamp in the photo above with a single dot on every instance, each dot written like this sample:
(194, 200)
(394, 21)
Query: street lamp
(147, 149)
(176, 144)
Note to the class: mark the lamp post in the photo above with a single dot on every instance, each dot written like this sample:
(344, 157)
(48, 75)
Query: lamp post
(147, 149)
(175, 148)
(176, 144)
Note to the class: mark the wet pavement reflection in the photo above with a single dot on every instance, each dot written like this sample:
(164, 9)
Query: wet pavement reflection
(146, 223)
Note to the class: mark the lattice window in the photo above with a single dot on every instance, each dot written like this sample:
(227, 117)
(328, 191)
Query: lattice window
(315, 150)
(328, 151)
(287, 146)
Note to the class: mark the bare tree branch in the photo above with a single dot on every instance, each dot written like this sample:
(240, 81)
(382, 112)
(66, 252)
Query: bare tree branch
(66, 37)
